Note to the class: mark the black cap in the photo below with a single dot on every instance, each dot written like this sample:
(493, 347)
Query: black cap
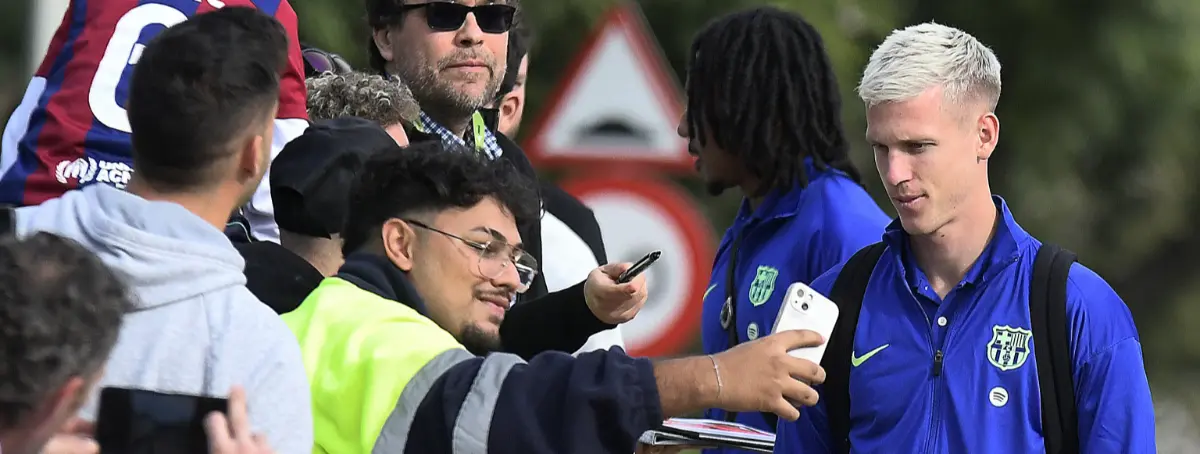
(311, 177)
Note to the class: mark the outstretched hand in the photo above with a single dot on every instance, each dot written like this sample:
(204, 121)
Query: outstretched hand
(760, 375)
(611, 302)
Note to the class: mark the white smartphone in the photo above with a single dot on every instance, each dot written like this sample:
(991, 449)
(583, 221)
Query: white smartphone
(804, 308)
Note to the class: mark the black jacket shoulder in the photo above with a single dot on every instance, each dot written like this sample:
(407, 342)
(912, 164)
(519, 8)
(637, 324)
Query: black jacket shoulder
(543, 321)
(531, 229)
(278, 277)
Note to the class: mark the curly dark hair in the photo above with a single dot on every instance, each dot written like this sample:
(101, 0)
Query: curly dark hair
(60, 313)
(761, 84)
(427, 178)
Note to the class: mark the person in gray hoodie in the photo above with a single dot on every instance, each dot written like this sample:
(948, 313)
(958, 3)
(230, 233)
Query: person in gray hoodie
(201, 104)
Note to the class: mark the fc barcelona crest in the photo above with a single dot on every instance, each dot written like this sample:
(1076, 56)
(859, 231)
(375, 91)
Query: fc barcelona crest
(763, 285)
(1009, 347)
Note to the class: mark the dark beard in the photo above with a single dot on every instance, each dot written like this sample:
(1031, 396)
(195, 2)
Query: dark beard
(478, 342)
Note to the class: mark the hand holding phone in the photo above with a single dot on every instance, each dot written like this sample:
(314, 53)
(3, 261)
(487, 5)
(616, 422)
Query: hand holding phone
(804, 308)
(137, 421)
(638, 267)
(611, 293)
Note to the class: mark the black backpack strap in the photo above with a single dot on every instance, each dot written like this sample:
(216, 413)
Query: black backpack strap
(848, 291)
(1052, 348)
(8, 221)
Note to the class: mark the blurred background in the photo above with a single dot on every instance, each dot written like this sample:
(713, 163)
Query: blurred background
(1100, 112)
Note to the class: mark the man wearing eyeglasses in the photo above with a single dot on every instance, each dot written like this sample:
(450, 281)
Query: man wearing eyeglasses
(401, 345)
(453, 56)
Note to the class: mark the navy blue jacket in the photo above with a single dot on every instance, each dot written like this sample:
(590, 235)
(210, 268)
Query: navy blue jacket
(598, 402)
(986, 398)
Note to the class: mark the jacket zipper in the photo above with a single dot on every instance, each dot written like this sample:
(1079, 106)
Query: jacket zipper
(939, 358)
(935, 419)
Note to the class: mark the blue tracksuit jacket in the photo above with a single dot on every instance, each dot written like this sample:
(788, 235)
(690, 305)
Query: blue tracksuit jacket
(793, 236)
(986, 397)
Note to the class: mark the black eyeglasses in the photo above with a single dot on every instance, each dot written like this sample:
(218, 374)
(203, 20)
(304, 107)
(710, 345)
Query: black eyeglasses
(449, 16)
(495, 256)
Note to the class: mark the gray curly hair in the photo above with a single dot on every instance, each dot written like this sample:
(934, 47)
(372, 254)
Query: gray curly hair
(384, 101)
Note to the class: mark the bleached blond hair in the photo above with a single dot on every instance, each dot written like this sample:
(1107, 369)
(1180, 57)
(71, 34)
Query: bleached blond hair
(920, 57)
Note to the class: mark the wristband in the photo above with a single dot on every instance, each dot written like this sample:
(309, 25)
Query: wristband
(717, 371)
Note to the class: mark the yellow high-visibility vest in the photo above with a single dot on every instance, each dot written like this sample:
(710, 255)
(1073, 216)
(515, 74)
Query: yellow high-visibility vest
(370, 362)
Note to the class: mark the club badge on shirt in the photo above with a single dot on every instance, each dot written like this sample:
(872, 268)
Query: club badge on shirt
(763, 285)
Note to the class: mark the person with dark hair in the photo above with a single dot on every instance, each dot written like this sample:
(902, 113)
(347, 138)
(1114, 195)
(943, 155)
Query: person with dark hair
(60, 314)
(780, 141)
(454, 67)
(72, 130)
(402, 344)
(202, 103)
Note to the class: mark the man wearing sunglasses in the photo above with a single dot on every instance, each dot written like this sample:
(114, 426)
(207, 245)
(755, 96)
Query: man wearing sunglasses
(400, 346)
(452, 55)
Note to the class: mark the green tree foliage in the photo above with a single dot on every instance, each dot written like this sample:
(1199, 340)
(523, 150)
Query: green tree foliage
(14, 72)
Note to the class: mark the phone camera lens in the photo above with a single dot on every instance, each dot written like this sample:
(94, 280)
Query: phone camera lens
(804, 307)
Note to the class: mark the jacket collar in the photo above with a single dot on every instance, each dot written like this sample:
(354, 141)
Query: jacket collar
(376, 274)
(1005, 248)
(781, 203)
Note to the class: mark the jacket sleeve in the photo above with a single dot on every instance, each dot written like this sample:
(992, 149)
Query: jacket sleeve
(808, 435)
(1116, 412)
(599, 402)
(560, 321)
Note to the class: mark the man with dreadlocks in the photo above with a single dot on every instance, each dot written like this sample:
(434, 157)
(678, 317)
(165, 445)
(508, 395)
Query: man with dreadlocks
(763, 115)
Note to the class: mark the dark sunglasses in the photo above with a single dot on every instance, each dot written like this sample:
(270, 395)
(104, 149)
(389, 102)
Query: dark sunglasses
(317, 62)
(448, 16)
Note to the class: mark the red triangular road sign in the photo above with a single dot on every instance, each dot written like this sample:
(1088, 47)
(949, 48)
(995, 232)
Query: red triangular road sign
(618, 103)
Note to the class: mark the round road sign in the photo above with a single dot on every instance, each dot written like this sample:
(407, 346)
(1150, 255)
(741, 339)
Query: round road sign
(637, 216)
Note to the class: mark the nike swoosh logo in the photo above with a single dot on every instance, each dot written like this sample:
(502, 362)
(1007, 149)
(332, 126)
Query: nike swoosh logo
(858, 360)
